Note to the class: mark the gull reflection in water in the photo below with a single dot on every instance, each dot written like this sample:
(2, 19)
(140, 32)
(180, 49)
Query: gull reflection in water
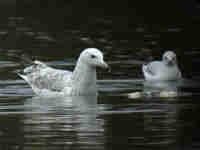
(161, 89)
(158, 89)
(72, 116)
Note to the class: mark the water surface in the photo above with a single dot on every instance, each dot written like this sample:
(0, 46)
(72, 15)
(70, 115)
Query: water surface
(111, 120)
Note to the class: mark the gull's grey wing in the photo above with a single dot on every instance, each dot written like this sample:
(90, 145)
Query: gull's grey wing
(153, 67)
(41, 76)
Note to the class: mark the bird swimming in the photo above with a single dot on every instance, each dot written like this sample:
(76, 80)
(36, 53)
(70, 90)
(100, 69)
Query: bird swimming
(47, 81)
(165, 70)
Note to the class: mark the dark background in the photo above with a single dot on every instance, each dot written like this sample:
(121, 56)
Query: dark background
(133, 12)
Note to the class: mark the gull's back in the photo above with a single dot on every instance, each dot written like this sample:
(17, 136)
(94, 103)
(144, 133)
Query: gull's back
(40, 76)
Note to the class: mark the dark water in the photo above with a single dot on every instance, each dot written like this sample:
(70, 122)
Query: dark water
(112, 120)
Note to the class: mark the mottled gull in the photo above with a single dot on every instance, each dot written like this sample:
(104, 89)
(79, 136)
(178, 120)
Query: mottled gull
(47, 81)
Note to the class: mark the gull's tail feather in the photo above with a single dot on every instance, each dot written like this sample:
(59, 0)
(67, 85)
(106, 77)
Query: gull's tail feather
(23, 77)
(27, 65)
(24, 60)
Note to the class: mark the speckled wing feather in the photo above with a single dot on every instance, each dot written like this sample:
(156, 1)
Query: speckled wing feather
(153, 67)
(41, 76)
(148, 69)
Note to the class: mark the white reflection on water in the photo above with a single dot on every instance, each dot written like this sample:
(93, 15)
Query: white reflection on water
(163, 89)
(163, 85)
(74, 119)
(80, 109)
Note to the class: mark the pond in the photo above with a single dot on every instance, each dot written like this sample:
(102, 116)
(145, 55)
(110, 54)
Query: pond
(113, 119)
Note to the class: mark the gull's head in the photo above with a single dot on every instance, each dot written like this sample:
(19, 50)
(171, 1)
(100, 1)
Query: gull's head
(93, 58)
(169, 58)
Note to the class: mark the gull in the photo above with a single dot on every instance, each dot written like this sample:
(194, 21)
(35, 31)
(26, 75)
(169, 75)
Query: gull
(165, 70)
(48, 81)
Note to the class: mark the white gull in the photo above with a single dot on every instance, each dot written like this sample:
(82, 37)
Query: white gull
(164, 70)
(47, 81)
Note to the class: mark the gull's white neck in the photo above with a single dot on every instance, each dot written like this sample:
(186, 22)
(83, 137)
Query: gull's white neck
(84, 79)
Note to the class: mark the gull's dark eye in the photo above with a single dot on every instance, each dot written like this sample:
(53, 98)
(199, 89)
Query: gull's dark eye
(92, 56)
